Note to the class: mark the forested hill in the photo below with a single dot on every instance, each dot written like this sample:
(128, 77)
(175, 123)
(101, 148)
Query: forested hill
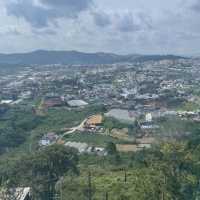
(43, 57)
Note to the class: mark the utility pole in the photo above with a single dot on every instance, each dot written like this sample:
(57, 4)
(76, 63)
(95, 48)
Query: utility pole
(61, 189)
(89, 186)
(106, 195)
(125, 176)
(163, 193)
(30, 148)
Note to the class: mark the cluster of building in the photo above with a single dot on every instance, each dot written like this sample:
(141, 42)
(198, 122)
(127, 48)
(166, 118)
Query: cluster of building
(85, 148)
(128, 91)
(139, 86)
(52, 138)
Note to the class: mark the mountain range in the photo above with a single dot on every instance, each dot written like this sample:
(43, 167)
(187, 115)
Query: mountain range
(43, 57)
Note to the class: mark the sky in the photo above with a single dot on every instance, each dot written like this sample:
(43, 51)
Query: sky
(118, 26)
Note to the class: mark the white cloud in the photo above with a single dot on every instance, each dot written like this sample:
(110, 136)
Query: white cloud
(128, 26)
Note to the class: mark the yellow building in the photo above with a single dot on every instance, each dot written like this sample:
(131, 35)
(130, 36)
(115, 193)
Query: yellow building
(94, 120)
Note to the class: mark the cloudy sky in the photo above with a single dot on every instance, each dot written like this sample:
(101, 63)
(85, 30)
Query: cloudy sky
(120, 26)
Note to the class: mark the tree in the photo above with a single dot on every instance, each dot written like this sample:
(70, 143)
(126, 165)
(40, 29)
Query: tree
(137, 127)
(111, 148)
(108, 125)
(89, 186)
(43, 169)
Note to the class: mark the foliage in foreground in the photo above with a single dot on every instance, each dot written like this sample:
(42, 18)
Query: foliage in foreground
(40, 171)
(168, 171)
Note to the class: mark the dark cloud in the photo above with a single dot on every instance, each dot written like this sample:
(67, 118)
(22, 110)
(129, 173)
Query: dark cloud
(196, 6)
(123, 22)
(127, 23)
(74, 6)
(131, 22)
(33, 14)
(41, 15)
(102, 19)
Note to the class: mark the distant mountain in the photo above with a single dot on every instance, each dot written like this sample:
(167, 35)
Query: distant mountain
(42, 57)
(157, 58)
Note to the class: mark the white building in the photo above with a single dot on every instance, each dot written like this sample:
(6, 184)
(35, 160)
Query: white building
(148, 117)
(77, 103)
(6, 101)
(81, 147)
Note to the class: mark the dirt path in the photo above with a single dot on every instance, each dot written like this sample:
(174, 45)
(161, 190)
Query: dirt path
(76, 128)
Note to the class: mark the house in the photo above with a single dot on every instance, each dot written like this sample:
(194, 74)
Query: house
(81, 147)
(148, 117)
(94, 121)
(44, 142)
(144, 146)
(148, 125)
(85, 148)
(16, 194)
(6, 101)
(125, 116)
(100, 151)
(77, 103)
(48, 139)
(52, 102)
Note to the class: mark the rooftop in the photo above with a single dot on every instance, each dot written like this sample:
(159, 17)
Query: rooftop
(77, 103)
(95, 120)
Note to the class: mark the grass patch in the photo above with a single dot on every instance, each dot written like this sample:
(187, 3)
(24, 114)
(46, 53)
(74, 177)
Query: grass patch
(175, 126)
(189, 106)
(91, 139)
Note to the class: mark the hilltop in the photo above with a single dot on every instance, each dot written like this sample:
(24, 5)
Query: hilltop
(43, 57)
